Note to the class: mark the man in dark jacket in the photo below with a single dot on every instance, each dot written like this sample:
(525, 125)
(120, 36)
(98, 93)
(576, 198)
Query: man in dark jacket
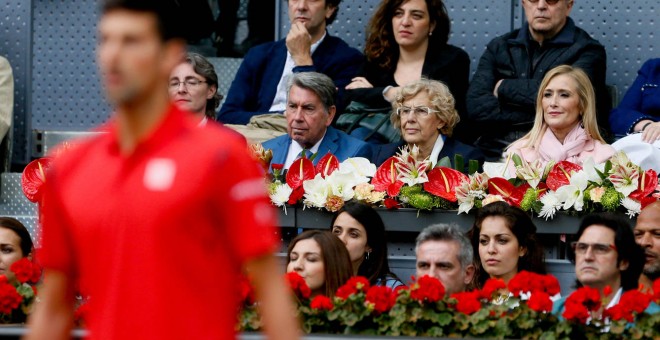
(502, 94)
(260, 84)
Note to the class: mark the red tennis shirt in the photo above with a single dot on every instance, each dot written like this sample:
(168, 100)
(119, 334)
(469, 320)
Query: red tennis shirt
(157, 238)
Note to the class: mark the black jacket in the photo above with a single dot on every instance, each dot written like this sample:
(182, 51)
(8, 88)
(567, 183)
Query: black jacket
(522, 63)
(447, 63)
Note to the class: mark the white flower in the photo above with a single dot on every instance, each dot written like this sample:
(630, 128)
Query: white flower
(466, 206)
(497, 169)
(359, 165)
(634, 207)
(317, 191)
(589, 167)
(281, 194)
(550, 205)
(530, 172)
(342, 183)
(491, 199)
(573, 194)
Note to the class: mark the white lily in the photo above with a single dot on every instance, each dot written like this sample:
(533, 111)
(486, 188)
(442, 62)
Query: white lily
(497, 169)
(530, 172)
(589, 167)
(342, 183)
(573, 194)
(358, 165)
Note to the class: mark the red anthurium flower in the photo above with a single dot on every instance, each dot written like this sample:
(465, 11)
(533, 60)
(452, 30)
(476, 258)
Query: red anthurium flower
(648, 181)
(560, 174)
(327, 165)
(34, 177)
(511, 194)
(385, 178)
(301, 170)
(443, 182)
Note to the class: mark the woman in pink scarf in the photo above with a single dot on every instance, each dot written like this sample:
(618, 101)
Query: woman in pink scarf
(565, 126)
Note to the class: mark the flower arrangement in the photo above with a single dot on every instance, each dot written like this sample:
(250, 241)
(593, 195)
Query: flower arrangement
(17, 296)
(405, 181)
(423, 309)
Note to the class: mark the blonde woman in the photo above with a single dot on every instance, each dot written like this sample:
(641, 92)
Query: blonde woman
(565, 126)
(424, 113)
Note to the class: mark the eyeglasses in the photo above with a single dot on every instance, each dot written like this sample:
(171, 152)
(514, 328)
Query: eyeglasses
(549, 2)
(597, 248)
(419, 111)
(188, 83)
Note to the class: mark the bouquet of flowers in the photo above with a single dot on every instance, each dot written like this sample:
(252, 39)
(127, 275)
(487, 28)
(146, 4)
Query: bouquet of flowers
(18, 295)
(616, 185)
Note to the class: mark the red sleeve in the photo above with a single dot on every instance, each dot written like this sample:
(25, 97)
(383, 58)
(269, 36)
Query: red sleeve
(57, 251)
(244, 209)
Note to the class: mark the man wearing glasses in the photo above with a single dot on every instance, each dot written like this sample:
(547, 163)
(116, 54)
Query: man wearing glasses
(502, 94)
(605, 255)
(309, 111)
(647, 235)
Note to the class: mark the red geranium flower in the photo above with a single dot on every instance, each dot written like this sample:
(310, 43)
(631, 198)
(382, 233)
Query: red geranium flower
(467, 302)
(580, 303)
(277, 166)
(9, 298)
(427, 289)
(491, 286)
(298, 285)
(26, 271)
(656, 290)
(353, 286)
(525, 281)
(321, 302)
(381, 297)
(540, 302)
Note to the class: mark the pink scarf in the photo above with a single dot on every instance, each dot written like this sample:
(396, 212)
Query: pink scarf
(551, 149)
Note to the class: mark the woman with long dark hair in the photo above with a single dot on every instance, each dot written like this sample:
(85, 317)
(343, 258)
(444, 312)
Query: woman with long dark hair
(362, 230)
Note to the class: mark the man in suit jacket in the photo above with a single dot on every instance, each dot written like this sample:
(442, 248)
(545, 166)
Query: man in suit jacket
(309, 112)
(260, 83)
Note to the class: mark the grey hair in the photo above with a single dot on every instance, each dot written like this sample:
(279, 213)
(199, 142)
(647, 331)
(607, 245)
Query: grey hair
(316, 82)
(448, 232)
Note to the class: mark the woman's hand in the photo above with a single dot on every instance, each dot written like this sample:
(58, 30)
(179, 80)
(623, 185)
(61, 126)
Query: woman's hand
(651, 132)
(359, 83)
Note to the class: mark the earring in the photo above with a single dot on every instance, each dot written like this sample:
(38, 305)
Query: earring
(430, 33)
(367, 256)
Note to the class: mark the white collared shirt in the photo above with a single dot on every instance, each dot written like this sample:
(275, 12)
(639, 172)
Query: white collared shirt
(295, 149)
(279, 102)
(437, 147)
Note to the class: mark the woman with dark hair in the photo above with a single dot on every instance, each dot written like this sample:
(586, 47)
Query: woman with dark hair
(321, 259)
(407, 39)
(193, 86)
(362, 230)
(504, 240)
(15, 244)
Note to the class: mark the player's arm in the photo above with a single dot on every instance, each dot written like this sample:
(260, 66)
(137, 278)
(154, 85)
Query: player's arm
(53, 316)
(276, 305)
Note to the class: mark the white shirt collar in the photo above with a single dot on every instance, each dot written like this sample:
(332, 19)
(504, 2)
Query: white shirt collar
(295, 149)
(437, 147)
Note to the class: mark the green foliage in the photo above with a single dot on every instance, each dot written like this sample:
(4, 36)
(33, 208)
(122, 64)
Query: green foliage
(611, 199)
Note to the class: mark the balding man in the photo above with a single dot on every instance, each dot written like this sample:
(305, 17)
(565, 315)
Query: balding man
(647, 235)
